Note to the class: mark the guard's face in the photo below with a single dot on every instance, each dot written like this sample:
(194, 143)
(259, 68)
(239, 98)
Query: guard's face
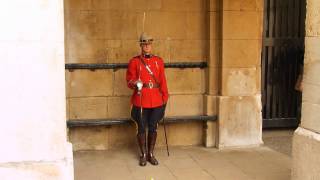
(146, 47)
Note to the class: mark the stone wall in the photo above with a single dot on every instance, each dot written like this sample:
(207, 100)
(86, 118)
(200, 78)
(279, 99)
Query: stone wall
(123, 136)
(106, 31)
(226, 34)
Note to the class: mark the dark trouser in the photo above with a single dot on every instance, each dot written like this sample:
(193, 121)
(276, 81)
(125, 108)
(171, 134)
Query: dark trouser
(150, 117)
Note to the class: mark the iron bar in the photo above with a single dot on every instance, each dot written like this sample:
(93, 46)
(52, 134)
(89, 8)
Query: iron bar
(182, 65)
(118, 121)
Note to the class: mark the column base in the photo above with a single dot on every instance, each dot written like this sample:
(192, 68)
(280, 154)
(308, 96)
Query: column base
(240, 121)
(35, 170)
(210, 134)
(305, 153)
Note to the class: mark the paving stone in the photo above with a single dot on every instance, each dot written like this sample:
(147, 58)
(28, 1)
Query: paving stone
(192, 174)
(188, 162)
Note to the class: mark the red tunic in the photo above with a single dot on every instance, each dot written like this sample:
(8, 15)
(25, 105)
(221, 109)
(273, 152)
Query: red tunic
(151, 97)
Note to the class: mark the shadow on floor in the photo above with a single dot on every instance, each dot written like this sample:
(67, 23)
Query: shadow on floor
(279, 140)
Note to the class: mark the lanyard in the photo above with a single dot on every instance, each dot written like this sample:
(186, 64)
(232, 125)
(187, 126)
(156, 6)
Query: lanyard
(148, 69)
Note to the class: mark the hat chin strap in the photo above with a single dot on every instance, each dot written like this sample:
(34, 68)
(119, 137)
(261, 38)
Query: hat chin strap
(146, 55)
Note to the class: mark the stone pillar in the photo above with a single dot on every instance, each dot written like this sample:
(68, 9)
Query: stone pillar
(211, 96)
(240, 118)
(33, 116)
(306, 140)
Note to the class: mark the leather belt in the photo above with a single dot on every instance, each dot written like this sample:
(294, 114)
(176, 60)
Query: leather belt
(151, 85)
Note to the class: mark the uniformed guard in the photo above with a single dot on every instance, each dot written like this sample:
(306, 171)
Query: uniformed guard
(146, 76)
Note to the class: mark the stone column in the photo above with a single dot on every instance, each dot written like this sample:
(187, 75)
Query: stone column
(33, 116)
(306, 140)
(240, 118)
(211, 97)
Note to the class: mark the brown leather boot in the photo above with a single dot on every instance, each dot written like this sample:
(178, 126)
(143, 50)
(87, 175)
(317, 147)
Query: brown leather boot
(152, 137)
(142, 145)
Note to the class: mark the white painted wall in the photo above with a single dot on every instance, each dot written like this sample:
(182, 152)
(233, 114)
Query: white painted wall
(32, 90)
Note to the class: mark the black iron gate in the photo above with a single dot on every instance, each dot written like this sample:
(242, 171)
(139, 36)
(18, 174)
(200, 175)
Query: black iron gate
(282, 55)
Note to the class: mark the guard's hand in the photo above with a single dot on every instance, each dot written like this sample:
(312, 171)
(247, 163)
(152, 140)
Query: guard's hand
(138, 85)
(164, 106)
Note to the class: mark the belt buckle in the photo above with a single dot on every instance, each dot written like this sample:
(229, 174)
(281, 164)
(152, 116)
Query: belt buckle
(150, 84)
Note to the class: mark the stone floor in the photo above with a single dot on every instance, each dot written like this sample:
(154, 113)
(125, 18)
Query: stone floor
(279, 140)
(190, 163)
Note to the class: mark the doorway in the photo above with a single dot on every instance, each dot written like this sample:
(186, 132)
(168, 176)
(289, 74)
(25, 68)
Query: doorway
(282, 58)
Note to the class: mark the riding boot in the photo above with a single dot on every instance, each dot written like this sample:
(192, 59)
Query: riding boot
(152, 137)
(142, 145)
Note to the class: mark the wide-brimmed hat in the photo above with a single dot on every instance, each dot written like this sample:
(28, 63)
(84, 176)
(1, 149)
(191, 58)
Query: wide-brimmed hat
(145, 38)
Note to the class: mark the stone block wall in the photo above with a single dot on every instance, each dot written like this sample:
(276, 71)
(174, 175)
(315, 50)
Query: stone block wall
(123, 136)
(227, 34)
(107, 31)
